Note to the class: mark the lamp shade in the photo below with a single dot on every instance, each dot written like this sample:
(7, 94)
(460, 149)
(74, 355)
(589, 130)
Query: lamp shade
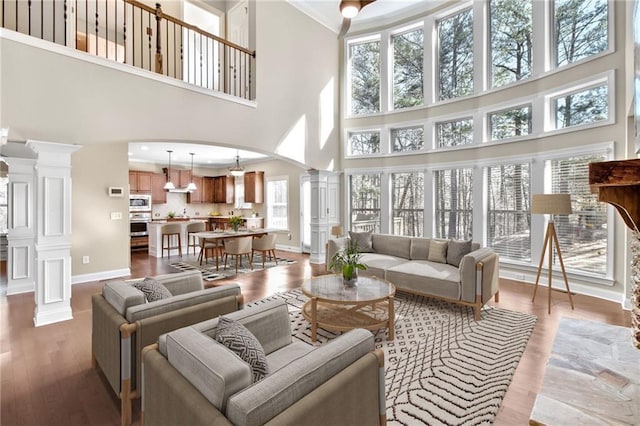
(551, 204)
(337, 230)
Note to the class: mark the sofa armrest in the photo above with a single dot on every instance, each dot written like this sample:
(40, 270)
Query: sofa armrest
(267, 398)
(105, 339)
(139, 312)
(483, 282)
(333, 246)
(169, 399)
(122, 295)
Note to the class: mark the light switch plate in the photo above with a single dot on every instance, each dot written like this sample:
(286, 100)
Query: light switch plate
(116, 215)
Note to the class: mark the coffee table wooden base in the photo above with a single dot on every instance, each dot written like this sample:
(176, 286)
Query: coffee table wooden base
(346, 316)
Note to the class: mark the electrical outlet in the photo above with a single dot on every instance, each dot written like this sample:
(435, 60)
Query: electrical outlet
(116, 215)
(85, 260)
(289, 236)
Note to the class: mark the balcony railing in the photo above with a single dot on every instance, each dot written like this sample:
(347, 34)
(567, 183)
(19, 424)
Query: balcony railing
(133, 33)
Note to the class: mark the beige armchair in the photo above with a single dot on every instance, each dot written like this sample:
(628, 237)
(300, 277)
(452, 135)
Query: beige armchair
(123, 323)
(266, 245)
(237, 247)
(191, 379)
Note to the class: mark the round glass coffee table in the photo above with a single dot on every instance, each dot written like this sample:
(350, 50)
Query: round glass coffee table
(334, 306)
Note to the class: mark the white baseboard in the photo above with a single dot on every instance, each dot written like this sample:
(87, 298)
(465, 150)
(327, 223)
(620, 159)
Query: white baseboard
(21, 288)
(99, 276)
(292, 249)
(51, 317)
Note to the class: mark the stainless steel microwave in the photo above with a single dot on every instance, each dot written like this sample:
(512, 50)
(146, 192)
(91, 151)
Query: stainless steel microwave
(139, 202)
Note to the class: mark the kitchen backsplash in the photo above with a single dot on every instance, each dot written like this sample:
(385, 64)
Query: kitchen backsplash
(177, 202)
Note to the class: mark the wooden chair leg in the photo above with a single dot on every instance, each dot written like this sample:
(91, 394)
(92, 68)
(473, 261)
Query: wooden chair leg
(496, 297)
(274, 256)
(251, 261)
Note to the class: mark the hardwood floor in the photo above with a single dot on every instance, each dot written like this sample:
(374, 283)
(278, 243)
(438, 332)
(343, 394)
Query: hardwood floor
(47, 378)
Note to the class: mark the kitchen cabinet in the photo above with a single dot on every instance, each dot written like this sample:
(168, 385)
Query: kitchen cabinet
(207, 189)
(158, 193)
(222, 222)
(184, 178)
(139, 181)
(223, 190)
(254, 187)
(195, 197)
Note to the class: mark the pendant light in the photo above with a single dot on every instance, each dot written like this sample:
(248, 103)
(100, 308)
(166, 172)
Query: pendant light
(169, 185)
(192, 186)
(237, 170)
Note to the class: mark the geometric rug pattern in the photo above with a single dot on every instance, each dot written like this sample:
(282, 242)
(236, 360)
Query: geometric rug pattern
(443, 367)
(209, 272)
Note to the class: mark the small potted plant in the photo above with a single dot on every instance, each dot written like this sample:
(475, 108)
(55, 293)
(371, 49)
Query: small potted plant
(235, 222)
(348, 260)
(171, 215)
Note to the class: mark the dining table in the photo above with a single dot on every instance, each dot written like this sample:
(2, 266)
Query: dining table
(221, 235)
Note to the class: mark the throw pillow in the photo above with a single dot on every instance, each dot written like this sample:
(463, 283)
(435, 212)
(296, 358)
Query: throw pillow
(456, 251)
(437, 251)
(363, 239)
(153, 290)
(243, 343)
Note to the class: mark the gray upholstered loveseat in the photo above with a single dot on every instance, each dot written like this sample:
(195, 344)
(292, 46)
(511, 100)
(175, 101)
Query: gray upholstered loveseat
(191, 379)
(457, 271)
(123, 323)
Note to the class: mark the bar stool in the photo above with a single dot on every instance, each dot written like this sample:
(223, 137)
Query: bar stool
(192, 239)
(168, 232)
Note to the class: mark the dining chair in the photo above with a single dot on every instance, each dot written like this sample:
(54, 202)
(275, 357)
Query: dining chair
(192, 240)
(266, 245)
(238, 247)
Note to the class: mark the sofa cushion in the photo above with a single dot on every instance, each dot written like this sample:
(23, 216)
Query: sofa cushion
(393, 245)
(378, 263)
(456, 251)
(286, 355)
(182, 282)
(122, 295)
(424, 277)
(437, 251)
(210, 367)
(236, 337)
(363, 241)
(419, 248)
(259, 403)
(153, 290)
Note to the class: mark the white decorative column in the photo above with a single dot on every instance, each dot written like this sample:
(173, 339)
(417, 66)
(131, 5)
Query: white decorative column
(53, 235)
(325, 205)
(21, 233)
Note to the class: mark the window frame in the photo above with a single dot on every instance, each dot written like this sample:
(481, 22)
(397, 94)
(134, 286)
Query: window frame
(419, 25)
(269, 202)
(349, 79)
(489, 129)
(436, 54)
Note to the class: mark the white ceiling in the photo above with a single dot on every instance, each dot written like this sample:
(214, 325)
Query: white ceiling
(205, 155)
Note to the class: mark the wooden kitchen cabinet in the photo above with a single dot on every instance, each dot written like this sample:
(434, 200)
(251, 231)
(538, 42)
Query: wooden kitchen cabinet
(184, 178)
(139, 181)
(207, 189)
(254, 187)
(195, 197)
(223, 190)
(158, 194)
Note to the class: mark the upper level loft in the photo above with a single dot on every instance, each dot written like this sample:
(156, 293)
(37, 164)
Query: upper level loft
(192, 49)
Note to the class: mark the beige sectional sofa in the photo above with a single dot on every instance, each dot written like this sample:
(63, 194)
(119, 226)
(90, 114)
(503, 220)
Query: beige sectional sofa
(457, 271)
(189, 378)
(123, 323)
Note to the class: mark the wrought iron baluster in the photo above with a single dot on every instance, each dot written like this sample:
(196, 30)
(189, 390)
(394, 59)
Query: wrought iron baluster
(53, 6)
(29, 15)
(106, 29)
(65, 22)
(97, 23)
(124, 31)
(149, 34)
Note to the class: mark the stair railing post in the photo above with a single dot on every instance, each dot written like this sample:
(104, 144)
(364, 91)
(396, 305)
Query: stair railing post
(158, 40)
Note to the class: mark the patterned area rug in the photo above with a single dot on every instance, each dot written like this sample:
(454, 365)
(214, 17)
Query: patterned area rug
(443, 368)
(209, 272)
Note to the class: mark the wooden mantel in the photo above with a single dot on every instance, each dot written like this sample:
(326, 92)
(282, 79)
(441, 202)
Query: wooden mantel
(618, 183)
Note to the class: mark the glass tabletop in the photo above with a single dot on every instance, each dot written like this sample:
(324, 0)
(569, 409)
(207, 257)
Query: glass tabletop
(331, 288)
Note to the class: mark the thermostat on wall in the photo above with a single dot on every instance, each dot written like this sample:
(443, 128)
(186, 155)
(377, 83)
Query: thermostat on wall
(116, 191)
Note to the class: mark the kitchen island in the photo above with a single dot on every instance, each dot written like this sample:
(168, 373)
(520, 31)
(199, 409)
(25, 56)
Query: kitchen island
(222, 222)
(155, 236)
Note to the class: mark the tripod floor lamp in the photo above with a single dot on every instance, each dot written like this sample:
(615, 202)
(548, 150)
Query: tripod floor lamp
(551, 204)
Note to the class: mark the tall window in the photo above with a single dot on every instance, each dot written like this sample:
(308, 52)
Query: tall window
(362, 143)
(278, 203)
(454, 133)
(454, 203)
(4, 218)
(364, 198)
(407, 139)
(455, 73)
(364, 63)
(407, 68)
(511, 41)
(508, 211)
(510, 123)
(581, 29)
(407, 197)
(586, 106)
(583, 234)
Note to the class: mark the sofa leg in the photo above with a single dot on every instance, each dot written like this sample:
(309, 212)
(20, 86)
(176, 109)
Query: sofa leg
(496, 297)
(478, 307)
(125, 403)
